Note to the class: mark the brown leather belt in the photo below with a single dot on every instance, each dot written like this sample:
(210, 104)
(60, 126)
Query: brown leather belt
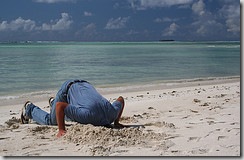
(70, 84)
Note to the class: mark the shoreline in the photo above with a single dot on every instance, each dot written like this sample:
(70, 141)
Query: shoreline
(167, 84)
(123, 88)
(200, 118)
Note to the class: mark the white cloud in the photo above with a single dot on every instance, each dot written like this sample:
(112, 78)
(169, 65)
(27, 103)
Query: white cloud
(231, 13)
(165, 19)
(87, 33)
(28, 25)
(87, 14)
(171, 30)
(117, 23)
(53, 1)
(90, 27)
(199, 8)
(62, 24)
(144, 4)
(18, 24)
(89, 30)
(208, 27)
(132, 32)
(205, 23)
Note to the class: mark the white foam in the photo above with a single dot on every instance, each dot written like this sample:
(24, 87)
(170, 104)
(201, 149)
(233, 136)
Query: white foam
(8, 97)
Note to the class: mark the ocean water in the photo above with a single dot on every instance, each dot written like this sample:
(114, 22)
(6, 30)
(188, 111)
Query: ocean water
(35, 67)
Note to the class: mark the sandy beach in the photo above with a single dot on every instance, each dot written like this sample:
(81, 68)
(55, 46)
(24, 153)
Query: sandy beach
(197, 118)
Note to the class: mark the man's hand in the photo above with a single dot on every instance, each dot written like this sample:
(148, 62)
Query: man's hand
(61, 133)
(60, 106)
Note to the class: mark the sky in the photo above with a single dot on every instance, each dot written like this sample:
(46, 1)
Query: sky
(119, 20)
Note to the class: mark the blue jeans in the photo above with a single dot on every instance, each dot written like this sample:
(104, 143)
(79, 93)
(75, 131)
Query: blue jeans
(41, 116)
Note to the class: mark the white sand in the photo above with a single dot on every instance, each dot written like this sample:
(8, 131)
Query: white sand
(200, 118)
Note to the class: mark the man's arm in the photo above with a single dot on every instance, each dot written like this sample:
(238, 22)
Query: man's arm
(60, 106)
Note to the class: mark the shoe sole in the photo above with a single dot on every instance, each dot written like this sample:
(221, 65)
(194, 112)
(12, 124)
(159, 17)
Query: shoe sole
(23, 120)
(51, 99)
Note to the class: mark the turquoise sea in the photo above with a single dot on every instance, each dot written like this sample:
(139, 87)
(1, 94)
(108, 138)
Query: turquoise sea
(39, 66)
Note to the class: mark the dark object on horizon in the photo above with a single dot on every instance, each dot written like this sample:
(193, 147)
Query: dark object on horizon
(167, 40)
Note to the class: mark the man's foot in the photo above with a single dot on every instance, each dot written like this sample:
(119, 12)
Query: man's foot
(24, 118)
(116, 122)
(121, 99)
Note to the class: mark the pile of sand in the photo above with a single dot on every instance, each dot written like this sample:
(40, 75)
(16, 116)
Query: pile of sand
(104, 141)
(88, 134)
(96, 140)
(13, 123)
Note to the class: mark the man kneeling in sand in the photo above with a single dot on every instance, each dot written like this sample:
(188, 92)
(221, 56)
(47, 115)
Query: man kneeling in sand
(79, 101)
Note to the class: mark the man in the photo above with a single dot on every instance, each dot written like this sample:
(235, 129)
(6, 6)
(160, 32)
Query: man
(79, 101)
